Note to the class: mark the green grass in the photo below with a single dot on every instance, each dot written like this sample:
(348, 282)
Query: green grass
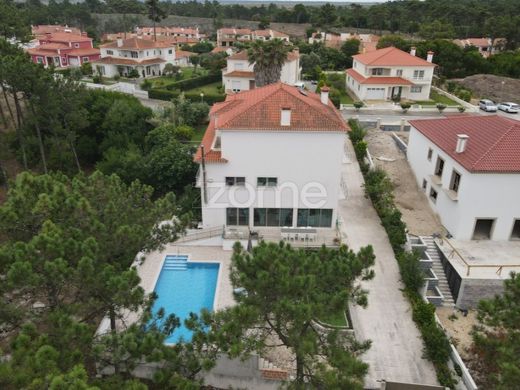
(335, 319)
(199, 133)
(437, 98)
(346, 99)
(187, 73)
(207, 89)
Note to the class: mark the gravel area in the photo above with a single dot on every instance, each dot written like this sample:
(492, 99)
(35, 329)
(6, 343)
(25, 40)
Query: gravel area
(411, 201)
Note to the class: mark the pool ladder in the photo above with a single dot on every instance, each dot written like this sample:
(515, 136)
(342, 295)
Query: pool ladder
(176, 262)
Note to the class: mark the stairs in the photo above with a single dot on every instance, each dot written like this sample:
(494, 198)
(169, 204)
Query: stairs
(176, 262)
(439, 271)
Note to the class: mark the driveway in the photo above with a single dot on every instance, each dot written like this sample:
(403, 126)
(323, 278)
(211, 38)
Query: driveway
(396, 351)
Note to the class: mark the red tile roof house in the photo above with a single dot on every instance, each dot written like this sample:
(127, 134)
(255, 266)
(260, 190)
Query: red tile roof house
(469, 167)
(486, 46)
(63, 50)
(239, 74)
(263, 149)
(144, 55)
(226, 37)
(387, 73)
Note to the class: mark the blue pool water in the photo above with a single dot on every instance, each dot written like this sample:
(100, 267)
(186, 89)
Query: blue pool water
(184, 287)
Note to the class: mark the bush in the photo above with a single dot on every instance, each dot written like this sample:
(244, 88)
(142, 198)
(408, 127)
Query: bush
(133, 74)
(97, 79)
(405, 106)
(452, 86)
(461, 109)
(360, 149)
(146, 85)
(117, 77)
(441, 107)
(86, 69)
(411, 272)
(194, 82)
(162, 94)
(209, 98)
(464, 94)
(358, 105)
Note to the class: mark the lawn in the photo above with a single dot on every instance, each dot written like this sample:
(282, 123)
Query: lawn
(346, 98)
(208, 89)
(198, 133)
(187, 73)
(437, 98)
(335, 319)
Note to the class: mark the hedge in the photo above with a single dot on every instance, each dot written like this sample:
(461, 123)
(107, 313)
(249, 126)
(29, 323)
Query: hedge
(164, 94)
(379, 189)
(194, 82)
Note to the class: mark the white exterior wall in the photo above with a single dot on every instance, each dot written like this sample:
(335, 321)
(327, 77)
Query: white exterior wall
(361, 90)
(480, 195)
(295, 158)
(291, 72)
(238, 83)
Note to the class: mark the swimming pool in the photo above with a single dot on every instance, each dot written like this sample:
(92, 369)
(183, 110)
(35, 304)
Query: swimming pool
(185, 287)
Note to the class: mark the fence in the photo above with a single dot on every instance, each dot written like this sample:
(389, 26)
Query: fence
(122, 87)
(400, 143)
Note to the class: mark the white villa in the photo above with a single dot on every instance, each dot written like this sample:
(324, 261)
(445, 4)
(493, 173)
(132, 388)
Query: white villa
(387, 73)
(469, 167)
(146, 56)
(239, 74)
(271, 157)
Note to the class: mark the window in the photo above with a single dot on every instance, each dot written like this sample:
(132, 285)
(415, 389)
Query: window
(430, 153)
(76, 45)
(239, 66)
(110, 52)
(85, 59)
(439, 167)
(483, 229)
(235, 181)
(170, 51)
(273, 217)
(39, 60)
(377, 71)
(237, 216)
(267, 181)
(315, 217)
(418, 74)
(433, 195)
(515, 234)
(399, 72)
(236, 86)
(134, 54)
(455, 181)
(416, 89)
(424, 184)
(100, 69)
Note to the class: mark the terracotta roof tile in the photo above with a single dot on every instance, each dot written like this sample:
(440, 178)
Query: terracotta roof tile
(241, 73)
(260, 110)
(83, 52)
(138, 44)
(241, 55)
(493, 144)
(66, 37)
(391, 56)
(377, 80)
(128, 61)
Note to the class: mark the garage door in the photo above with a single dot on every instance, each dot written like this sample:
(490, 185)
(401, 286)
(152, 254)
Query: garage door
(375, 93)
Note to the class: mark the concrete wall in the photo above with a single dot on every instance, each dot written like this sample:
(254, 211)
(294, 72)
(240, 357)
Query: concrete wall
(297, 159)
(478, 195)
(472, 291)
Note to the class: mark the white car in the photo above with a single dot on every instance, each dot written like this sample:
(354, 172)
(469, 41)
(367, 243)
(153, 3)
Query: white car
(509, 107)
(487, 105)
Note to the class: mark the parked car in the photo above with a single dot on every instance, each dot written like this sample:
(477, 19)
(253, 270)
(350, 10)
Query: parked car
(299, 84)
(512, 108)
(487, 105)
(314, 82)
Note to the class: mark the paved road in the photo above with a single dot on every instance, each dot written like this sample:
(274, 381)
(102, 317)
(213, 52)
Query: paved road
(392, 116)
(396, 352)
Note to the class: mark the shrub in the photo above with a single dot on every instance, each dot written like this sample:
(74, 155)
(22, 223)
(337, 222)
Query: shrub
(162, 94)
(146, 84)
(405, 106)
(411, 272)
(209, 98)
(86, 69)
(194, 82)
(464, 94)
(357, 133)
(117, 77)
(360, 149)
(423, 313)
(133, 74)
(461, 109)
(441, 107)
(451, 86)
(358, 105)
(97, 79)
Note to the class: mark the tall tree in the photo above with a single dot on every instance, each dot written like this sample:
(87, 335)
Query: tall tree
(497, 339)
(268, 58)
(155, 13)
(284, 291)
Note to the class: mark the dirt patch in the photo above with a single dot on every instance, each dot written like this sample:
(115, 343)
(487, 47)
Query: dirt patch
(459, 328)
(496, 88)
(411, 201)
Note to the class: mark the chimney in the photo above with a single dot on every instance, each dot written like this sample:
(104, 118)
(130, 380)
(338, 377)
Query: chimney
(429, 58)
(462, 140)
(413, 50)
(119, 42)
(84, 33)
(325, 95)
(285, 118)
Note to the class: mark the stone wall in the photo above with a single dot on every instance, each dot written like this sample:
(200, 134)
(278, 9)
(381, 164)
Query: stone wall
(474, 290)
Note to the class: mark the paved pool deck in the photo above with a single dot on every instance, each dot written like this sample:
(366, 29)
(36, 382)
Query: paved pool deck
(150, 269)
(397, 347)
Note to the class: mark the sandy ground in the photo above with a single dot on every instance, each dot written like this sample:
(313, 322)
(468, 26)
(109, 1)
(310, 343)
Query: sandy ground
(459, 328)
(411, 201)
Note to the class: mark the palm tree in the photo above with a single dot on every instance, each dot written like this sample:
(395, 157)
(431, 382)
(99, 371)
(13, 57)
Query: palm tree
(268, 59)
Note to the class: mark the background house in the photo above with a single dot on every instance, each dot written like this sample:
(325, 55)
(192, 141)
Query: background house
(226, 37)
(261, 150)
(387, 73)
(367, 42)
(146, 56)
(486, 46)
(239, 74)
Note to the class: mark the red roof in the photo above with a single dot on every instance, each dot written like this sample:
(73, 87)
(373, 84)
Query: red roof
(84, 52)
(390, 56)
(241, 55)
(128, 61)
(241, 73)
(493, 144)
(138, 44)
(66, 37)
(260, 110)
(375, 80)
